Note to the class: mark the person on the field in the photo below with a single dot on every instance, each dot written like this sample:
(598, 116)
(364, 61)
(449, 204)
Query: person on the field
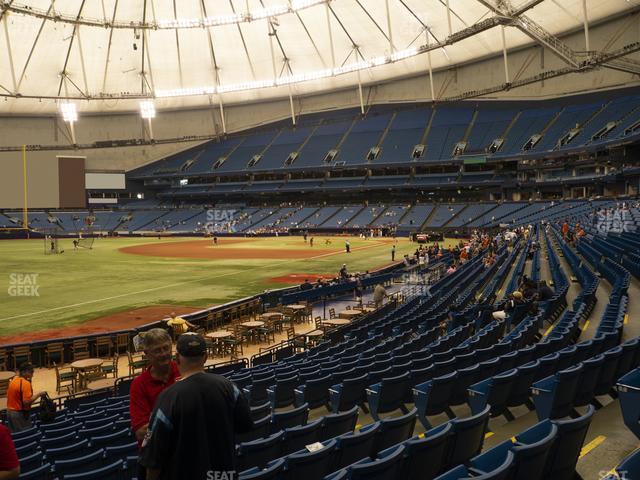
(347, 246)
(393, 253)
(311, 242)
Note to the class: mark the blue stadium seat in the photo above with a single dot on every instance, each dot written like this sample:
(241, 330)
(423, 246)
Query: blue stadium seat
(384, 467)
(295, 437)
(68, 451)
(388, 395)
(553, 396)
(591, 369)
(628, 469)
(112, 471)
(257, 392)
(81, 464)
(562, 459)
(354, 446)
(426, 456)
(123, 437)
(31, 461)
(26, 440)
(305, 465)
(259, 452)
(480, 469)
(629, 392)
(27, 449)
(281, 394)
(58, 442)
(43, 472)
(315, 392)
(468, 436)
(608, 372)
(349, 393)
(531, 449)
(494, 391)
(432, 397)
(120, 451)
(336, 424)
(273, 472)
(395, 430)
(520, 391)
(260, 411)
(261, 428)
(290, 418)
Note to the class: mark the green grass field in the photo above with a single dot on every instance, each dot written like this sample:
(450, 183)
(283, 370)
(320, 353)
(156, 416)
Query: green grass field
(77, 286)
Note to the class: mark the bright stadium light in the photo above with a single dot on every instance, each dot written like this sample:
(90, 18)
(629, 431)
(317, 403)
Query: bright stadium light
(70, 115)
(69, 112)
(147, 109)
(297, 78)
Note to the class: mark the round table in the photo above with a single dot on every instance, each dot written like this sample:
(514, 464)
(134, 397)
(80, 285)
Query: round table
(83, 365)
(87, 363)
(336, 322)
(6, 375)
(101, 384)
(296, 307)
(253, 324)
(270, 315)
(365, 309)
(349, 314)
(219, 334)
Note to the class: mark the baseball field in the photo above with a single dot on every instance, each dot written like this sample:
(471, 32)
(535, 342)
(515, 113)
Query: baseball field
(124, 281)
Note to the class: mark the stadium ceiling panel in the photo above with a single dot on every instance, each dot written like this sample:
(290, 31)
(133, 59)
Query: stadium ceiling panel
(187, 52)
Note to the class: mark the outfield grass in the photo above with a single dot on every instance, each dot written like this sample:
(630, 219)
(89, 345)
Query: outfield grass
(85, 284)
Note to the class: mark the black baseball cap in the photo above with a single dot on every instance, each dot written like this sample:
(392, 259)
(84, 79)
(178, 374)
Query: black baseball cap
(191, 345)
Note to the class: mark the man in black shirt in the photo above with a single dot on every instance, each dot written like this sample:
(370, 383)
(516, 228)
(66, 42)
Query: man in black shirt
(192, 428)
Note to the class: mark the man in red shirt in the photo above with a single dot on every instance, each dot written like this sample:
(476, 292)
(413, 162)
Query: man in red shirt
(145, 388)
(9, 464)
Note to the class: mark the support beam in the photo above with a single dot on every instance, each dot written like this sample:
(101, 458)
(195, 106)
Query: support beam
(433, 93)
(333, 52)
(390, 33)
(10, 54)
(586, 25)
(504, 56)
(540, 35)
(449, 18)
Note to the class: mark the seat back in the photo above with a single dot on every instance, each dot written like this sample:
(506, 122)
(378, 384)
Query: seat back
(519, 393)
(338, 423)
(468, 436)
(80, 464)
(261, 429)
(113, 471)
(295, 437)
(607, 378)
(355, 446)
(532, 449)
(500, 390)
(312, 465)
(426, 458)
(395, 430)
(381, 468)
(589, 378)
(260, 452)
(562, 459)
(290, 418)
